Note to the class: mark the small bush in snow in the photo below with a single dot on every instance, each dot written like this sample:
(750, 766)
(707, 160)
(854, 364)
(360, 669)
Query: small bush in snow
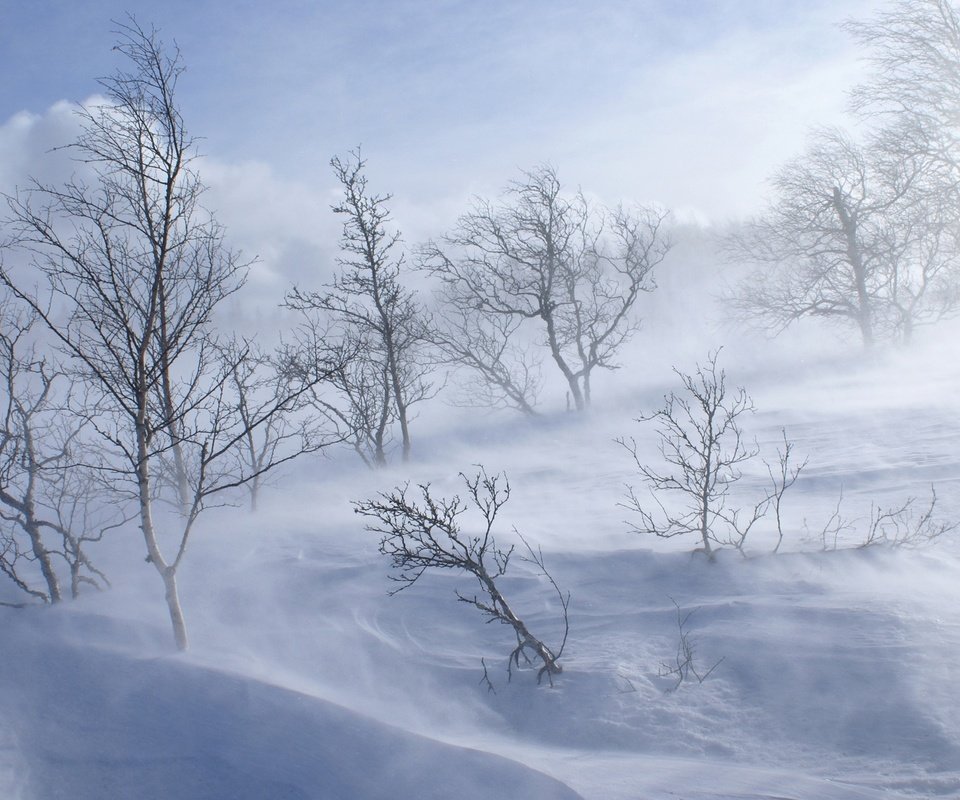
(683, 667)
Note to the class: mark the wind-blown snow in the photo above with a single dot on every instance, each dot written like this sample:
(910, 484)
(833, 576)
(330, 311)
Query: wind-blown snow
(305, 680)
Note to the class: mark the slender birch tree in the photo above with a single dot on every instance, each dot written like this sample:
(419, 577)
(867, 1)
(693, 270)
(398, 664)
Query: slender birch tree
(377, 323)
(134, 267)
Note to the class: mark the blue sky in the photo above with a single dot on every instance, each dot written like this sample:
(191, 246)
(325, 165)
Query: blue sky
(688, 103)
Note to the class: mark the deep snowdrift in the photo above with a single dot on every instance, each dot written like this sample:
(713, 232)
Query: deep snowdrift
(84, 722)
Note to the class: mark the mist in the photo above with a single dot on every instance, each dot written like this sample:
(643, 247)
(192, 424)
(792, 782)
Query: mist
(803, 651)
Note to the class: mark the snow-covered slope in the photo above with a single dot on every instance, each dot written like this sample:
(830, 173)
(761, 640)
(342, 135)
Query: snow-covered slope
(87, 723)
(305, 680)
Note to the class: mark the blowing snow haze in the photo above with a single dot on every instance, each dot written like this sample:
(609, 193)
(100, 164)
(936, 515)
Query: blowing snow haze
(331, 332)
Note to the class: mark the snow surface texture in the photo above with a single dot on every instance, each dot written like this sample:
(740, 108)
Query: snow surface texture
(305, 680)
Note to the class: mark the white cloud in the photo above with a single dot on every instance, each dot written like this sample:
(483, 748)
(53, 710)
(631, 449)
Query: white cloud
(288, 226)
(684, 105)
(28, 145)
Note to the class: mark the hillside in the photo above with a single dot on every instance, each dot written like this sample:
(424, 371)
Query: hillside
(833, 673)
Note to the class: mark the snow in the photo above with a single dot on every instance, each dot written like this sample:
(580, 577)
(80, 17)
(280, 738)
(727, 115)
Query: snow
(306, 680)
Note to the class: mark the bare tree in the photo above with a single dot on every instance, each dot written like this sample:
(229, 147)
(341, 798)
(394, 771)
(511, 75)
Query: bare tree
(911, 101)
(859, 234)
(704, 447)
(920, 244)
(135, 267)
(703, 444)
(46, 508)
(256, 379)
(914, 87)
(868, 233)
(374, 318)
(355, 396)
(542, 257)
(426, 534)
(501, 373)
(817, 242)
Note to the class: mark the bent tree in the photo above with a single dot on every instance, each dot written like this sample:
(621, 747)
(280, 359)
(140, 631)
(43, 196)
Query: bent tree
(865, 232)
(425, 533)
(818, 243)
(134, 269)
(913, 80)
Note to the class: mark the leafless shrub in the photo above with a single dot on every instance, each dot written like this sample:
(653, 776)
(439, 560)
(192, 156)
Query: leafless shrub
(831, 530)
(782, 476)
(906, 525)
(683, 668)
(703, 444)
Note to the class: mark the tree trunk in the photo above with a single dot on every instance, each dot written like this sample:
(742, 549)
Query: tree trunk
(524, 637)
(167, 572)
(176, 446)
(864, 316)
(379, 436)
(572, 380)
(31, 525)
(908, 327)
(708, 480)
(705, 528)
(172, 595)
(394, 374)
(169, 410)
(43, 558)
(401, 415)
(29, 512)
